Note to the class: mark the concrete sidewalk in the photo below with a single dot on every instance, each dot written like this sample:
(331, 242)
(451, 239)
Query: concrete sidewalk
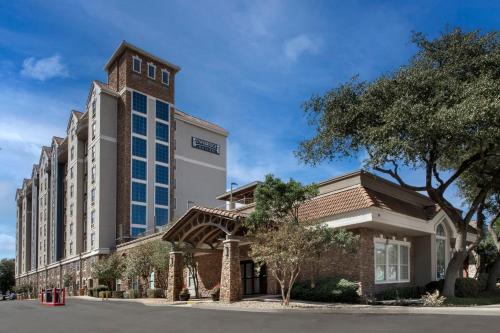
(266, 306)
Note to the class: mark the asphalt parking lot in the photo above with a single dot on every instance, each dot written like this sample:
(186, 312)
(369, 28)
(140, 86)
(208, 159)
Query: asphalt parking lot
(91, 316)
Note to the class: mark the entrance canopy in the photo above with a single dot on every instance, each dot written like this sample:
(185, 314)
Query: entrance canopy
(205, 227)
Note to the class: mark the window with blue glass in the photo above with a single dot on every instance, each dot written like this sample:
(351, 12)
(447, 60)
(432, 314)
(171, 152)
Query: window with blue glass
(161, 153)
(161, 132)
(138, 147)
(138, 169)
(138, 214)
(161, 110)
(139, 102)
(161, 217)
(161, 174)
(139, 125)
(138, 192)
(161, 196)
(137, 231)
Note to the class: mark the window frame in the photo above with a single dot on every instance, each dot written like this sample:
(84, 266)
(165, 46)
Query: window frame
(163, 71)
(398, 244)
(151, 65)
(135, 57)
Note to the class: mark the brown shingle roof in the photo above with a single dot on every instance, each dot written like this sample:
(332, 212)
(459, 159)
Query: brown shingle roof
(358, 198)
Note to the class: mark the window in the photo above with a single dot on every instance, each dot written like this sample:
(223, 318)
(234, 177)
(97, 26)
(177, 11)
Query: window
(161, 132)
(137, 231)
(161, 197)
(92, 219)
(151, 71)
(139, 102)
(93, 174)
(161, 216)
(71, 229)
(138, 169)
(165, 77)
(71, 190)
(70, 211)
(152, 280)
(161, 153)
(161, 174)
(440, 252)
(72, 152)
(138, 147)
(139, 125)
(161, 110)
(392, 261)
(138, 192)
(92, 154)
(93, 108)
(93, 130)
(71, 248)
(136, 64)
(138, 214)
(71, 172)
(118, 285)
(92, 241)
(92, 196)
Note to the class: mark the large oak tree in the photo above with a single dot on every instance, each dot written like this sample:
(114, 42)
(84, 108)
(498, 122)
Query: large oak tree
(440, 114)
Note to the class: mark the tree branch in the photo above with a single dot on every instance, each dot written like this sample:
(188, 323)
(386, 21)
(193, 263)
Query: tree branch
(394, 174)
(461, 169)
(492, 231)
(479, 227)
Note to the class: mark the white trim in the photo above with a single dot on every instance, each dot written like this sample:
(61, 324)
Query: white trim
(131, 90)
(108, 138)
(140, 64)
(150, 64)
(208, 165)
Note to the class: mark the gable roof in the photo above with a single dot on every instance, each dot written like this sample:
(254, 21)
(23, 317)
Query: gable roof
(126, 45)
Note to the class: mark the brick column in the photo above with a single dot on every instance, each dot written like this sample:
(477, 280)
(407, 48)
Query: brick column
(230, 280)
(174, 276)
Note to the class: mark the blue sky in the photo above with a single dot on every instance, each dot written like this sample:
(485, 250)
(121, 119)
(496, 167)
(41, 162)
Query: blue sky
(246, 65)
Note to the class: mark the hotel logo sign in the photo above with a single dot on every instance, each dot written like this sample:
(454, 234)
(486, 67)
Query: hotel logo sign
(205, 145)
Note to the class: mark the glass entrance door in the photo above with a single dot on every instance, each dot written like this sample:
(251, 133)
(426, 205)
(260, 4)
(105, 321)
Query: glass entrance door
(254, 280)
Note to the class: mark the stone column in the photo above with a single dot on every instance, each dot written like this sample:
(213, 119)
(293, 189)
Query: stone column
(230, 280)
(174, 276)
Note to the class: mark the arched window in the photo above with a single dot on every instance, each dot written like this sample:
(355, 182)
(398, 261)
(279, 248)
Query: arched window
(440, 252)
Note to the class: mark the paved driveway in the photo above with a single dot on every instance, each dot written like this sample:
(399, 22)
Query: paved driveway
(90, 316)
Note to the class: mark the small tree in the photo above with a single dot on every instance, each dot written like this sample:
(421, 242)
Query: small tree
(159, 261)
(282, 239)
(7, 275)
(138, 264)
(108, 270)
(68, 280)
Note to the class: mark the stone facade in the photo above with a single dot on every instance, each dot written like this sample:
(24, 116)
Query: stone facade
(230, 286)
(175, 274)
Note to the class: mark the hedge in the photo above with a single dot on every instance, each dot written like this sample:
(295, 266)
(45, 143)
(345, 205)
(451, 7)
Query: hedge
(327, 290)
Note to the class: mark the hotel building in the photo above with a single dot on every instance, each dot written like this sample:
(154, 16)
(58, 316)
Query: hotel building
(127, 166)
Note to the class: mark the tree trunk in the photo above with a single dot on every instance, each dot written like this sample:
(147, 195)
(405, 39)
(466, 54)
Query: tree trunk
(453, 270)
(494, 275)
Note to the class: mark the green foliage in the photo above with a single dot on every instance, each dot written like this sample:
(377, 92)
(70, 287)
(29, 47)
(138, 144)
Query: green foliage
(277, 201)
(155, 293)
(467, 287)
(327, 290)
(432, 286)
(68, 280)
(7, 275)
(117, 294)
(109, 269)
(402, 293)
(132, 294)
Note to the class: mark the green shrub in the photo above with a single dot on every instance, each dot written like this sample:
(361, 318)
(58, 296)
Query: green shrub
(402, 293)
(467, 287)
(101, 287)
(432, 286)
(104, 294)
(154, 293)
(117, 294)
(131, 293)
(327, 290)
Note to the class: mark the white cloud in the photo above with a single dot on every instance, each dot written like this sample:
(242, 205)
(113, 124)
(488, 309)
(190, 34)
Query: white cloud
(299, 45)
(7, 243)
(44, 68)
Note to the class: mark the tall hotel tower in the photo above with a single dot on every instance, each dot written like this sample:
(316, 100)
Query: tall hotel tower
(128, 166)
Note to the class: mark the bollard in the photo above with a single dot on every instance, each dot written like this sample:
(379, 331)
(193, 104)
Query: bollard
(54, 296)
(64, 296)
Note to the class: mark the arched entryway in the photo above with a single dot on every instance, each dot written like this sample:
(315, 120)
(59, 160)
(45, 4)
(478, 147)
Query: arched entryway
(207, 231)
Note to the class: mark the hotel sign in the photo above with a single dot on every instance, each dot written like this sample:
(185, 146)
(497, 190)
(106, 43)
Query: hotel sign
(205, 145)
